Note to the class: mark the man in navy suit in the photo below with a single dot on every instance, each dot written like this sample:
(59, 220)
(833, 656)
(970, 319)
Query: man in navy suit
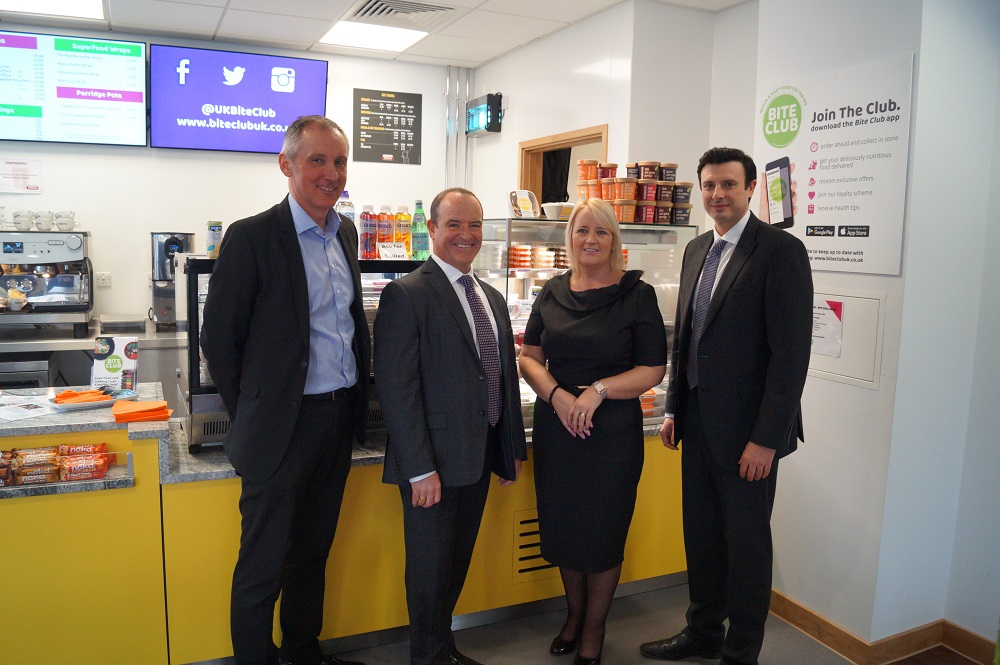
(287, 345)
(738, 367)
(447, 383)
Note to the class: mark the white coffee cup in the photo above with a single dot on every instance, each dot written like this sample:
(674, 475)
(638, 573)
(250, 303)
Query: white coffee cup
(66, 214)
(66, 224)
(44, 223)
(23, 219)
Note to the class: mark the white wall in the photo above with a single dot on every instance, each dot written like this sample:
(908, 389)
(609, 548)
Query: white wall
(827, 518)
(867, 509)
(642, 67)
(121, 194)
(974, 586)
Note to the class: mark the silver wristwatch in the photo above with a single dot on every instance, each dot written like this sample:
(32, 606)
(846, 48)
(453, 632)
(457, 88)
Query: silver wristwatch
(601, 389)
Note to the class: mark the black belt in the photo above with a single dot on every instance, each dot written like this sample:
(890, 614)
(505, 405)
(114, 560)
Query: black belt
(340, 393)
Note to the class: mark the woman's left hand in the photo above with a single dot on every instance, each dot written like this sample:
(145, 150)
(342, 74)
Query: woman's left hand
(582, 413)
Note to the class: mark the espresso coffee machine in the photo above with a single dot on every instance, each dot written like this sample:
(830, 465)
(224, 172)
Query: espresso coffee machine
(47, 278)
(165, 245)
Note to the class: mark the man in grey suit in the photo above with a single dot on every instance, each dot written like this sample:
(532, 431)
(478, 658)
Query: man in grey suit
(287, 345)
(447, 383)
(738, 367)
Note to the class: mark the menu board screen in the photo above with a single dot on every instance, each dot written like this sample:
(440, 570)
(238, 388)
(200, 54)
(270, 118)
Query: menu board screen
(225, 100)
(72, 89)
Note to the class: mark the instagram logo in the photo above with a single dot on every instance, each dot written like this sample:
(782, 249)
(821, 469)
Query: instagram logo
(282, 79)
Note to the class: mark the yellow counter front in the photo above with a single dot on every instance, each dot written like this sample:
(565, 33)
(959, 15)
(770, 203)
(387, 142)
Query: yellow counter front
(365, 588)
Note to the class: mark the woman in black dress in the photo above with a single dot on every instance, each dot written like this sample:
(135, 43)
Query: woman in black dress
(594, 343)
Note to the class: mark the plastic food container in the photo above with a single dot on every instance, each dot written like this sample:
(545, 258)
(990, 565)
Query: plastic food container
(663, 211)
(586, 169)
(594, 189)
(625, 210)
(649, 170)
(665, 190)
(582, 190)
(632, 170)
(668, 171)
(645, 212)
(607, 170)
(625, 188)
(608, 189)
(645, 190)
(682, 192)
(682, 213)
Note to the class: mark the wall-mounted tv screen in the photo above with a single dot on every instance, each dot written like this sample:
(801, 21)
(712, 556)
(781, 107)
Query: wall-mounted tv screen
(72, 89)
(223, 100)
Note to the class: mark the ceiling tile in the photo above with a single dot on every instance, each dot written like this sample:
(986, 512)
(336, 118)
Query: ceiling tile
(329, 10)
(459, 48)
(156, 16)
(273, 28)
(564, 11)
(501, 27)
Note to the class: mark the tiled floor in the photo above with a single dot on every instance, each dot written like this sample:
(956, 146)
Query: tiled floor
(633, 620)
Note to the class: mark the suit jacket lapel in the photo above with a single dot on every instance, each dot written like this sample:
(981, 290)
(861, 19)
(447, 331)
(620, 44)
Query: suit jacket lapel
(744, 248)
(445, 289)
(296, 268)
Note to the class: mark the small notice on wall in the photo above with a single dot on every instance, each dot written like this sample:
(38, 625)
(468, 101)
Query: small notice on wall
(828, 326)
(20, 176)
(386, 126)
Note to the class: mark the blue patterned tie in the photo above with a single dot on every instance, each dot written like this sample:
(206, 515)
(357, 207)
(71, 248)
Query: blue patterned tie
(702, 301)
(488, 352)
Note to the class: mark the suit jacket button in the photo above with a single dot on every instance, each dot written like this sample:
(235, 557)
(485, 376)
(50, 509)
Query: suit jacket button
(304, 363)
(482, 378)
(295, 405)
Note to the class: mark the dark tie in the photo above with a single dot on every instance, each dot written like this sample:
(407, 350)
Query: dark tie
(702, 301)
(487, 342)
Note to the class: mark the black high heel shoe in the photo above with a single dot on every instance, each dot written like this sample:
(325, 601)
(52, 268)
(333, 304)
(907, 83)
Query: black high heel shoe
(561, 647)
(581, 660)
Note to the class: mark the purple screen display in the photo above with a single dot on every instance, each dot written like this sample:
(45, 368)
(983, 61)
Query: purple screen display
(223, 100)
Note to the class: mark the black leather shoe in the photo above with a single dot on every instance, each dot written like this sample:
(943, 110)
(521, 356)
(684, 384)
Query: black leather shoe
(561, 647)
(333, 660)
(458, 658)
(582, 660)
(679, 647)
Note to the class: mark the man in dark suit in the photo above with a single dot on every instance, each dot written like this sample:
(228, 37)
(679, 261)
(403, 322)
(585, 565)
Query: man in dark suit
(287, 345)
(738, 366)
(447, 383)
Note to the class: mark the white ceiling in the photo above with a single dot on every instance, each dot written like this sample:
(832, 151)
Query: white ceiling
(465, 33)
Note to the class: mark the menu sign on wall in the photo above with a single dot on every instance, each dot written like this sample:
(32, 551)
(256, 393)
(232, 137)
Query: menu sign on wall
(845, 135)
(70, 89)
(386, 126)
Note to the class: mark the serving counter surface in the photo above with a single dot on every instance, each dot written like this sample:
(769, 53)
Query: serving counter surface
(33, 340)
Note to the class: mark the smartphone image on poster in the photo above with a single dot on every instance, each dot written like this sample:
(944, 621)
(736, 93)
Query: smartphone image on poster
(779, 193)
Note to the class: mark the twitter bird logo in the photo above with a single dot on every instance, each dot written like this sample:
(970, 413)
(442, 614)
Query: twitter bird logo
(234, 75)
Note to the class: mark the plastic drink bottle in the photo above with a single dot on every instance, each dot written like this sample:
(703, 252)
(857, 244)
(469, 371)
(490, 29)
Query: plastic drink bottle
(386, 227)
(345, 207)
(420, 237)
(369, 230)
(403, 229)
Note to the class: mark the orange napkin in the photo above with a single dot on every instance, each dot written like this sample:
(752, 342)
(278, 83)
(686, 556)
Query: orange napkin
(131, 412)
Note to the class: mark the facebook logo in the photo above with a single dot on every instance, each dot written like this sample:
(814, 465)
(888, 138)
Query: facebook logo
(182, 70)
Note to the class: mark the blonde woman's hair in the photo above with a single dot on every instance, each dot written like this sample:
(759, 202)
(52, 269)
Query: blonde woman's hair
(603, 215)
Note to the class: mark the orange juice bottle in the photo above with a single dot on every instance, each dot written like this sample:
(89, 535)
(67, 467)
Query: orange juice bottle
(386, 227)
(403, 234)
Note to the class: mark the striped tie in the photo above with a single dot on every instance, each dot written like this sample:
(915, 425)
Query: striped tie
(702, 301)
(488, 352)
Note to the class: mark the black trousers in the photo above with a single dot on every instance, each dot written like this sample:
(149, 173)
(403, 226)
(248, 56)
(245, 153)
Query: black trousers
(289, 521)
(727, 539)
(439, 541)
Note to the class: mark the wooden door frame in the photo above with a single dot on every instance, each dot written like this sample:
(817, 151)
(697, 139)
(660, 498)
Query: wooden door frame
(529, 163)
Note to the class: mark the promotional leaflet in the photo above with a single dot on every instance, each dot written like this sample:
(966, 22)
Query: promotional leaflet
(833, 148)
(116, 361)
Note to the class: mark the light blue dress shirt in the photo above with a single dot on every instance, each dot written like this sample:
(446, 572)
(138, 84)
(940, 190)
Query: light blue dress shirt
(331, 291)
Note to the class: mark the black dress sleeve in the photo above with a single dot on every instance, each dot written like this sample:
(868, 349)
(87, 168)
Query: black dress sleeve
(650, 336)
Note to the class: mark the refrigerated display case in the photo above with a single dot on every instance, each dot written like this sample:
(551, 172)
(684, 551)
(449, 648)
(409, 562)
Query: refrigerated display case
(657, 250)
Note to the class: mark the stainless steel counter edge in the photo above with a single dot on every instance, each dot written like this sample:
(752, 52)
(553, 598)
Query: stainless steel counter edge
(147, 340)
